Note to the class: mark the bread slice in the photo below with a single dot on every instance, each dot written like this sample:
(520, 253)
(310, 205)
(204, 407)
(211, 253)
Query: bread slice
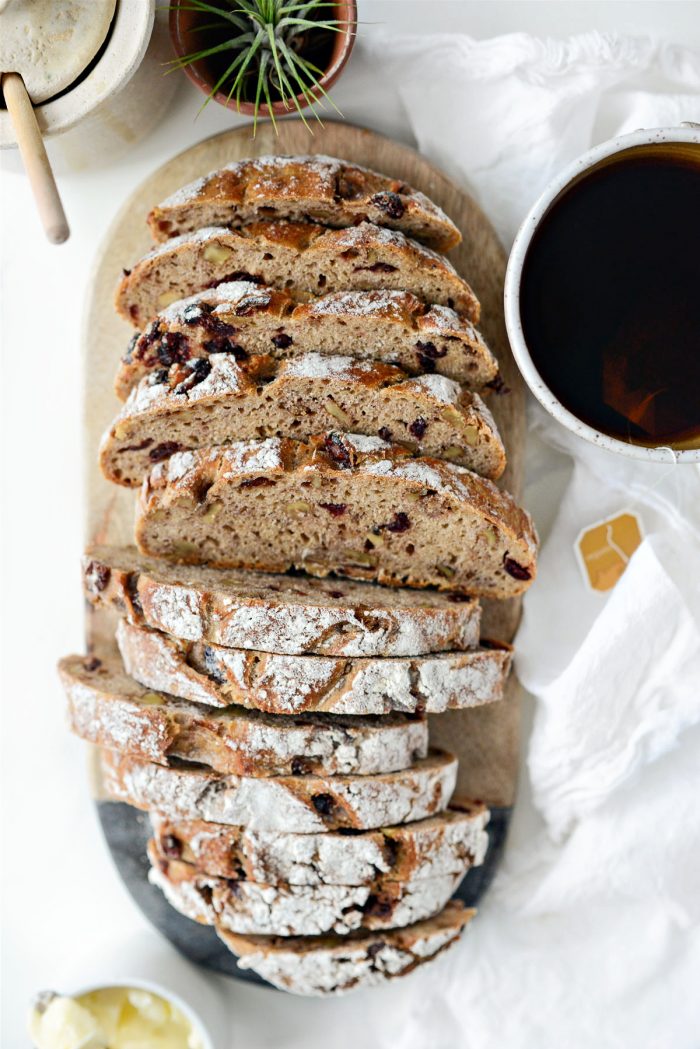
(430, 848)
(319, 966)
(302, 257)
(245, 319)
(217, 400)
(325, 189)
(251, 907)
(107, 707)
(342, 503)
(292, 804)
(278, 684)
(291, 615)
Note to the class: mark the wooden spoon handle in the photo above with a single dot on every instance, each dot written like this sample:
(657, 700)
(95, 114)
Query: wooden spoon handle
(36, 162)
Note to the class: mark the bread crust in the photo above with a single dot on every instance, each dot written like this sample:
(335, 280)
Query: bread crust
(291, 615)
(305, 258)
(279, 684)
(256, 908)
(107, 707)
(324, 189)
(292, 804)
(404, 521)
(245, 319)
(320, 966)
(429, 848)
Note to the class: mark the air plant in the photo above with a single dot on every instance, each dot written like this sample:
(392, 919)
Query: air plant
(269, 42)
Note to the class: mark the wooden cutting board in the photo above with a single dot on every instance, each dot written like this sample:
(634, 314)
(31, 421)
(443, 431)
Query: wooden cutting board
(485, 739)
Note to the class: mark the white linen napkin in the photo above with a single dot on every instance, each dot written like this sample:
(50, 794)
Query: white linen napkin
(590, 934)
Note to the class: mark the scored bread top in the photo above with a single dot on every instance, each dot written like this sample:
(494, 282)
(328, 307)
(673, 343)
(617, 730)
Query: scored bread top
(297, 910)
(341, 503)
(292, 615)
(216, 676)
(293, 804)
(305, 258)
(333, 965)
(439, 845)
(323, 189)
(107, 707)
(243, 319)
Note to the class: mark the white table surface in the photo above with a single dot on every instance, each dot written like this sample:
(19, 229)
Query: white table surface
(61, 898)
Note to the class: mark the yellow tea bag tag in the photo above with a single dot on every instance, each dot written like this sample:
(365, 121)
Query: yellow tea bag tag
(603, 549)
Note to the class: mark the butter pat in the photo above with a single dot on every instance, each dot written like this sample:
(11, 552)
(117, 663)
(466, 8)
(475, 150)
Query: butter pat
(111, 1018)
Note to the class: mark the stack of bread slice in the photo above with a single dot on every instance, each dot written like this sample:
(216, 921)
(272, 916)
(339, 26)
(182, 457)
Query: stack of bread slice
(317, 520)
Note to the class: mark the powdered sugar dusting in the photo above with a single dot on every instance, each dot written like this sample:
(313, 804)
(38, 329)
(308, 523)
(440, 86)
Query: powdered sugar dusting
(249, 456)
(439, 386)
(365, 444)
(224, 295)
(316, 366)
(178, 465)
(200, 236)
(366, 233)
(444, 844)
(298, 910)
(321, 970)
(288, 684)
(290, 615)
(186, 193)
(283, 804)
(363, 303)
(444, 319)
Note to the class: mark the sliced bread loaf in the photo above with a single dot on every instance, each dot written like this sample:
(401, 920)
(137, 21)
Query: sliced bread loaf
(245, 319)
(324, 189)
(292, 804)
(107, 707)
(301, 257)
(280, 684)
(333, 965)
(342, 503)
(287, 614)
(238, 905)
(217, 400)
(444, 844)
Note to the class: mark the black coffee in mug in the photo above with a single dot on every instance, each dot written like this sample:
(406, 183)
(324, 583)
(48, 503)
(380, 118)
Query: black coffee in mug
(610, 296)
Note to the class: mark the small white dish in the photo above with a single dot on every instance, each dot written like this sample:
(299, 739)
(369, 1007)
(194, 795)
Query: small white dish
(147, 962)
(687, 133)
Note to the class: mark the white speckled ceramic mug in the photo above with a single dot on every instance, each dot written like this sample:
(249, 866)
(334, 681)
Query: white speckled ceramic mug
(687, 133)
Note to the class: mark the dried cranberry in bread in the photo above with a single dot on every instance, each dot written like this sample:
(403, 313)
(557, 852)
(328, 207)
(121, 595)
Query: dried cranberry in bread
(325, 189)
(320, 966)
(304, 258)
(348, 504)
(443, 844)
(256, 908)
(292, 615)
(217, 400)
(279, 684)
(107, 707)
(244, 319)
(292, 804)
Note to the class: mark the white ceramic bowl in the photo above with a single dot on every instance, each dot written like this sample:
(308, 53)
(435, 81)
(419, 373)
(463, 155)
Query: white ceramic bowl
(689, 133)
(148, 962)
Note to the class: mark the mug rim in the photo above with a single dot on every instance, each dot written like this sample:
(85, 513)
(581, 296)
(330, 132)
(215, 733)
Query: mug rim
(511, 294)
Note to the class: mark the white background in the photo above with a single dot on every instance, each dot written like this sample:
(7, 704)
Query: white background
(61, 898)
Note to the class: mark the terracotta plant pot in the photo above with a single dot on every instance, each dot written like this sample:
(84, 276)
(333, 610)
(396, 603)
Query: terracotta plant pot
(186, 40)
